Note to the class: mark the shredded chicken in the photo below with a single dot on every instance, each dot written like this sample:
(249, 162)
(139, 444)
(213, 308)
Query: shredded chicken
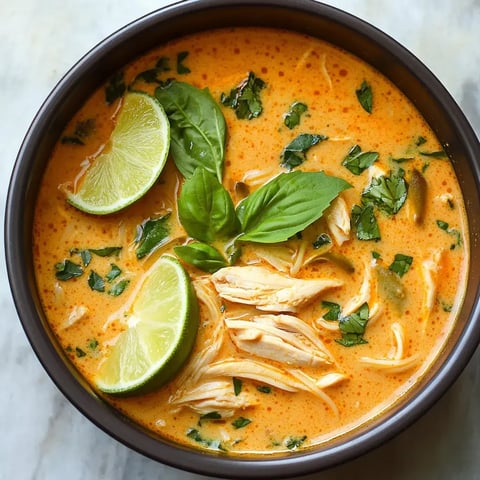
(338, 220)
(76, 314)
(430, 270)
(253, 285)
(283, 338)
(278, 256)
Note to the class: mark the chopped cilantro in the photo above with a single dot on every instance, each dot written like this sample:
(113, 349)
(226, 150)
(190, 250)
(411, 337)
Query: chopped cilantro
(241, 422)
(67, 270)
(365, 222)
(334, 311)
(93, 344)
(294, 153)
(420, 141)
(96, 282)
(152, 234)
(118, 288)
(451, 231)
(115, 87)
(264, 389)
(245, 98)
(365, 96)
(292, 443)
(376, 255)
(353, 327)
(114, 272)
(322, 240)
(436, 154)
(82, 130)
(401, 264)
(357, 161)
(292, 118)
(237, 386)
(79, 352)
(181, 68)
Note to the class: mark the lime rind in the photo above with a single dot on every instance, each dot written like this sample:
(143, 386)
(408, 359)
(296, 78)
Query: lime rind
(132, 160)
(155, 346)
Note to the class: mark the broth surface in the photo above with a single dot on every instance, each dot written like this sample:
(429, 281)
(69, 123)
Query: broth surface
(401, 341)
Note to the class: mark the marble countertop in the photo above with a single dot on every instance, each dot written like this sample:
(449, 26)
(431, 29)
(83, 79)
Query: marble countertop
(44, 436)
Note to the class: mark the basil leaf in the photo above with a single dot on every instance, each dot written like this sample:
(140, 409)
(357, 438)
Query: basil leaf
(202, 256)
(334, 311)
(113, 273)
(401, 264)
(357, 161)
(353, 327)
(115, 87)
(96, 282)
(118, 288)
(205, 208)
(151, 235)
(292, 117)
(365, 97)
(287, 205)
(197, 128)
(365, 223)
(451, 231)
(67, 270)
(245, 98)
(294, 153)
(241, 422)
(387, 193)
(181, 68)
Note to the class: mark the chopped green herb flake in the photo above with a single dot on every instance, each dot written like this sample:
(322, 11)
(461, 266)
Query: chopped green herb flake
(353, 327)
(376, 255)
(115, 87)
(443, 225)
(211, 416)
(334, 311)
(113, 273)
(322, 240)
(264, 389)
(152, 234)
(67, 270)
(388, 194)
(241, 422)
(292, 443)
(420, 141)
(401, 264)
(92, 344)
(79, 352)
(292, 117)
(86, 257)
(118, 288)
(71, 140)
(446, 307)
(96, 282)
(181, 68)
(365, 222)
(437, 154)
(237, 386)
(245, 98)
(365, 96)
(357, 161)
(195, 435)
(82, 130)
(294, 153)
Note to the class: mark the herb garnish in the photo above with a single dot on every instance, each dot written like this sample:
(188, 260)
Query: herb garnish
(82, 130)
(436, 154)
(264, 389)
(209, 416)
(151, 235)
(67, 270)
(118, 288)
(401, 264)
(114, 272)
(365, 222)
(334, 311)
(79, 352)
(357, 161)
(194, 434)
(294, 153)
(353, 327)
(451, 231)
(201, 255)
(181, 68)
(152, 75)
(115, 87)
(292, 443)
(241, 422)
(292, 118)
(96, 282)
(365, 96)
(237, 386)
(245, 98)
(322, 240)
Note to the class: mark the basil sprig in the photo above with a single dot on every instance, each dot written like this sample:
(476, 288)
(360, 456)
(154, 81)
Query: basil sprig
(197, 128)
(201, 255)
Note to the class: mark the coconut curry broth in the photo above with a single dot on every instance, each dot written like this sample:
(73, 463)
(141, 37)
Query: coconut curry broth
(411, 309)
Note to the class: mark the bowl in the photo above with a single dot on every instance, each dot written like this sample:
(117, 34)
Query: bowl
(306, 16)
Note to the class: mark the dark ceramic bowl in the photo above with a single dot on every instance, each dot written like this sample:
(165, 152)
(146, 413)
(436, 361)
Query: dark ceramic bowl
(306, 16)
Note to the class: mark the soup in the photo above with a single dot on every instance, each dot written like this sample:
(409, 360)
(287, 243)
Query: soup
(311, 323)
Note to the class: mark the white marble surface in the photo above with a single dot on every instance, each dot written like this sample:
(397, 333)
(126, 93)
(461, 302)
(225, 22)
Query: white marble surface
(42, 435)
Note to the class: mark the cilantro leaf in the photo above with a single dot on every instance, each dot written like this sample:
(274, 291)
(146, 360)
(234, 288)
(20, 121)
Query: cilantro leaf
(152, 234)
(294, 153)
(334, 311)
(357, 161)
(241, 422)
(365, 96)
(114, 272)
(365, 222)
(237, 386)
(67, 270)
(353, 327)
(115, 87)
(245, 98)
(292, 117)
(96, 282)
(181, 68)
(118, 288)
(401, 264)
(292, 443)
(322, 240)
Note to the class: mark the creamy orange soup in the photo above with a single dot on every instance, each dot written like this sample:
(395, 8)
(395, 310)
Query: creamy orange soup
(411, 279)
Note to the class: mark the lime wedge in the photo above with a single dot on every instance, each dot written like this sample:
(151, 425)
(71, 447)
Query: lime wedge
(131, 161)
(162, 326)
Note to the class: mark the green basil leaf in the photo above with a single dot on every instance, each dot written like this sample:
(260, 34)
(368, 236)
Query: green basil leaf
(388, 194)
(334, 311)
(205, 208)
(202, 256)
(181, 68)
(287, 205)
(151, 235)
(67, 270)
(365, 96)
(294, 153)
(118, 288)
(241, 422)
(115, 87)
(357, 161)
(113, 273)
(96, 282)
(294, 114)
(245, 98)
(401, 264)
(365, 222)
(197, 128)
(353, 327)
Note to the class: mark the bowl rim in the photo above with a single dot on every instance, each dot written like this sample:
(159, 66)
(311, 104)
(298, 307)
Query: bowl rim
(81, 395)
